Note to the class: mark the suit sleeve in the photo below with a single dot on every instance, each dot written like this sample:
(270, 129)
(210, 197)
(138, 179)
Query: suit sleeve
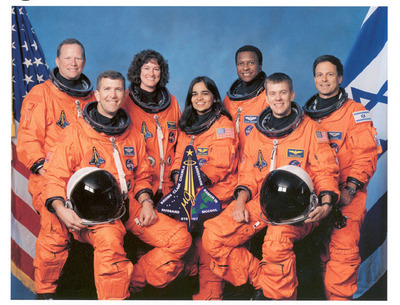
(362, 137)
(61, 166)
(143, 176)
(32, 128)
(323, 166)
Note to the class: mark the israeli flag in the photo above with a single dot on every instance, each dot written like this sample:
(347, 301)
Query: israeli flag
(365, 80)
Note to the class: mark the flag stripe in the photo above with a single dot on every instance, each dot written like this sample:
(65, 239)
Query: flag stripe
(19, 187)
(375, 227)
(17, 165)
(27, 217)
(22, 260)
(374, 267)
(375, 28)
(23, 237)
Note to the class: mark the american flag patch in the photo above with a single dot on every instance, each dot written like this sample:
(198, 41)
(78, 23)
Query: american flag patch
(225, 133)
(322, 136)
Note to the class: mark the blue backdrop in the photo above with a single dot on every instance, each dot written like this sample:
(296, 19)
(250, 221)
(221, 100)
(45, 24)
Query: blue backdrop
(202, 40)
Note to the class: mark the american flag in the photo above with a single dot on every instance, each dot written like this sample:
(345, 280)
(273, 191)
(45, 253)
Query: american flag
(28, 69)
(365, 80)
(225, 133)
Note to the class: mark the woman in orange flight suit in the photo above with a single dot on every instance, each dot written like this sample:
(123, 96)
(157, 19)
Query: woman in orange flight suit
(155, 114)
(207, 126)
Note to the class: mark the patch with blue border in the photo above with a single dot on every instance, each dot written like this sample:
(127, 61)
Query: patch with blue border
(335, 135)
(295, 153)
(171, 125)
(129, 151)
(202, 151)
(250, 119)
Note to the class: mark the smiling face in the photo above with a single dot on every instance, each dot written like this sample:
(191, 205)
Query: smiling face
(279, 98)
(110, 96)
(247, 66)
(150, 75)
(327, 80)
(202, 98)
(70, 62)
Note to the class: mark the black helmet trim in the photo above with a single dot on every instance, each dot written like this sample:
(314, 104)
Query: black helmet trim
(266, 115)
(272, 181)
(315, 114)
(206, 125)
(165, 100)
(125, 120)
(300, 218)
(73, 182)
(86, 84)
(88, 222)
(243, 97)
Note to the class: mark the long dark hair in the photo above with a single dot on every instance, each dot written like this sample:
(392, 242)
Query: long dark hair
(189, 115)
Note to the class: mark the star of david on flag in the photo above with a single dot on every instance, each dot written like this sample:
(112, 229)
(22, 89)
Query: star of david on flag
(365, 81)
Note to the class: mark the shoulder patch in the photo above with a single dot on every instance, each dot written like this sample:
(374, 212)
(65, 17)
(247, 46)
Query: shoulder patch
(322, 136)
(362, 116)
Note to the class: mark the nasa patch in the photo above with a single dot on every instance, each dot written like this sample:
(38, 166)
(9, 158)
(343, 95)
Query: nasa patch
(295, 153)
(202, 162)
(248, 129)
(335, 147)
(295, 163)
(129, 165)
(250, 119)
(129, 151)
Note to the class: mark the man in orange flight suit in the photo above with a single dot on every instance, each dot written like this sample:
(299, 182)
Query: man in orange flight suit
(47, 110)
(284, 136)
(354, 139)
(246, 99)
(155, 114)
(106, 139)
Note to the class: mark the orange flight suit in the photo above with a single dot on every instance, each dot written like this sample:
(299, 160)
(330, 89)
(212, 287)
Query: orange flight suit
(80, 147)
(216, 152)
(306, 146)
(354, 139)
(146, 124)
(45, 112)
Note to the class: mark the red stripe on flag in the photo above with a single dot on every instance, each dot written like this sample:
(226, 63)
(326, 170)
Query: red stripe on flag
(22, 259)
(24, 214)
(21, 168)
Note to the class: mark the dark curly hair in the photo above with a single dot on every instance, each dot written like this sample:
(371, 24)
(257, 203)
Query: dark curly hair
(142, 58)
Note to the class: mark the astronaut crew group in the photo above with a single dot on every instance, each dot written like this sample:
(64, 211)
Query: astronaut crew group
(139, 135)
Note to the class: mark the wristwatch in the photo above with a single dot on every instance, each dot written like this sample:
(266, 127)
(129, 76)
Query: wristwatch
(351, 190)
